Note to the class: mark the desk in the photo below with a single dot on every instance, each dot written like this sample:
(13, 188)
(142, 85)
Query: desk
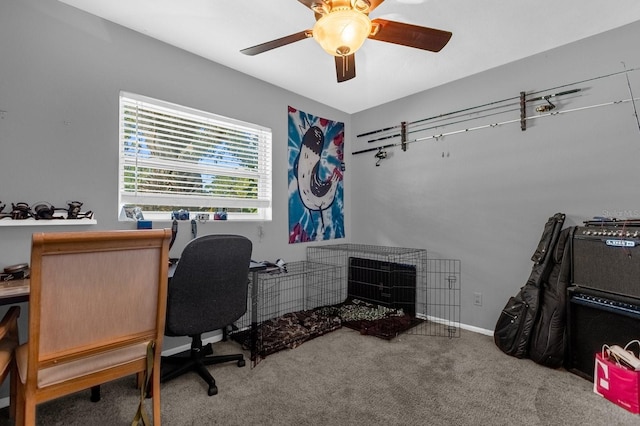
(17, 291)
(253, 268)
(14, 291)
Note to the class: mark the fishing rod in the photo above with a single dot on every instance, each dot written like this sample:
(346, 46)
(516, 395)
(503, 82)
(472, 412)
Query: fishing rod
(448, 124)
(485, 126)
(386, 129)
(635, 111)
(539, 98)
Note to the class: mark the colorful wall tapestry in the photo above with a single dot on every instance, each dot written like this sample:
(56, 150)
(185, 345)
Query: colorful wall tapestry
(316, 190)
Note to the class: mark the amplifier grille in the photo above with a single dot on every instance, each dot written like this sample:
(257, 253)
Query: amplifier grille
(609, 268)
(615, 321)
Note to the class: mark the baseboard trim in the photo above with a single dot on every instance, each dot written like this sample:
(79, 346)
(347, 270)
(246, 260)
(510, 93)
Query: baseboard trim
(477, 329)
(462, 326)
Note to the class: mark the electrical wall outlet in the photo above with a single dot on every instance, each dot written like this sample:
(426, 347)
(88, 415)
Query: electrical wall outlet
(477, 299)
(202, 217)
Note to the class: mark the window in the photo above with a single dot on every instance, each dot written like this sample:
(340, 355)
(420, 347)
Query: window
(177, 158)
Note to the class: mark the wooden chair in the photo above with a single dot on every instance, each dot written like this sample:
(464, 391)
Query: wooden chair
(8, 343)
(97, 304)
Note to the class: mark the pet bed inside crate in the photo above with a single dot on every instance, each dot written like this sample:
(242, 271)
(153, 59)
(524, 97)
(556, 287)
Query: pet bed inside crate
(375, 320)
(292, 329)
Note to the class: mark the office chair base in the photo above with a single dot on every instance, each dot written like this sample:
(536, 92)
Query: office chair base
(197, 359)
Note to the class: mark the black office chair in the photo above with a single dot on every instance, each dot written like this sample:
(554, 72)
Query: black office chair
(208, 291)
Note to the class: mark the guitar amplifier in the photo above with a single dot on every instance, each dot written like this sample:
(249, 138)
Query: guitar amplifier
(595, 318)
(607, 258)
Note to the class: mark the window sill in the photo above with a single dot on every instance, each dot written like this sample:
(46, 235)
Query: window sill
(162, 218)
(170, 221)
(47, 222)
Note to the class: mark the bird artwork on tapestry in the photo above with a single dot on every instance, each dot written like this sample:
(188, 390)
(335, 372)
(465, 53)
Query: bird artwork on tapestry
(317, 172)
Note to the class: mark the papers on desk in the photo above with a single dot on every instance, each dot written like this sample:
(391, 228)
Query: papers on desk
(270, 268)
(256, 265)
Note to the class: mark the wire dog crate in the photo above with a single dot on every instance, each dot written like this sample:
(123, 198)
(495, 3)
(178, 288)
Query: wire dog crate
(382, 291)
(280, 310)
(401, 278)
(301, 286)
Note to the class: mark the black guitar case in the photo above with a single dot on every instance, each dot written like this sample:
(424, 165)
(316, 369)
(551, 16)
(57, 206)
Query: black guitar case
(517, 319)
(548, 339)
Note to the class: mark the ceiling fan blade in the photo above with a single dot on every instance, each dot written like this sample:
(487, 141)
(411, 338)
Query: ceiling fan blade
(345, 67)
(309, 3)
(411, 35)
(264, 47)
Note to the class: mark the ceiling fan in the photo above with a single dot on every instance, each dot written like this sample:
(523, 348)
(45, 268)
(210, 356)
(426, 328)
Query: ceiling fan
(343, 25)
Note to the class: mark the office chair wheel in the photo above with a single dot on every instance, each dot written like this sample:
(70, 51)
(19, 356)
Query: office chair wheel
(213, 390)
(241, 363)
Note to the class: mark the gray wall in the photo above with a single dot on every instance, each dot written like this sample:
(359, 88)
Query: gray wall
(487, 200)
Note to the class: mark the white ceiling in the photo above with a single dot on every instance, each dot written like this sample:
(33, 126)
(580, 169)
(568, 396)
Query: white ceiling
(486, 34)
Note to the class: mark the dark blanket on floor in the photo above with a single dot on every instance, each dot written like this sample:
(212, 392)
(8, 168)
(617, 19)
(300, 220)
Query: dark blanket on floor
(292, 329)
(288, 331)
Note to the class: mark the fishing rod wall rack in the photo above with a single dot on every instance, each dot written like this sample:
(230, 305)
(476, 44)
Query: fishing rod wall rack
(545, 108)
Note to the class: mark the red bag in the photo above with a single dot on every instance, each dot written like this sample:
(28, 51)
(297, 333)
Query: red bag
(616, 383)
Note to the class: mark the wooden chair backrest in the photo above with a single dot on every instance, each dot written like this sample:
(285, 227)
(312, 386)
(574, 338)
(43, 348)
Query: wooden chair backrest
(95, 291)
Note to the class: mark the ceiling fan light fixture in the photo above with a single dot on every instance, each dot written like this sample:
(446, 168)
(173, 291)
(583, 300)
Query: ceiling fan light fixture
(342, 32)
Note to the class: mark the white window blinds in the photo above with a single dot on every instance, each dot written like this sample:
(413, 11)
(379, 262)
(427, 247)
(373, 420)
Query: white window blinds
(177, 157)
